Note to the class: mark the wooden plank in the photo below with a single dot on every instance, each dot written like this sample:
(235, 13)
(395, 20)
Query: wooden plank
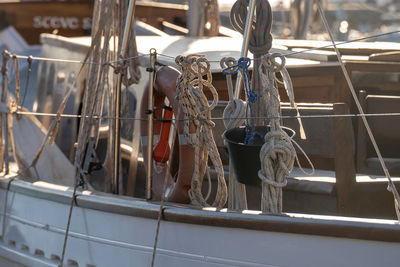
(388, 56)
(316, 94)
(385, 87)
(314, 81)
(354, 48)
(174, 28)
(372, 66)
(361, 136)
(385, 129)
(322, 55)
(344, 159)
(319, 130)
(154, 13)
(314, 70)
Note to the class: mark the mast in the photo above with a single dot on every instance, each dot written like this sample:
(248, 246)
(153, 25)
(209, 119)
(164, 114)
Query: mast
(245, 44)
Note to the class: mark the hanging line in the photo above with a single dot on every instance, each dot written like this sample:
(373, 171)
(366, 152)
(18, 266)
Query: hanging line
(242, 66)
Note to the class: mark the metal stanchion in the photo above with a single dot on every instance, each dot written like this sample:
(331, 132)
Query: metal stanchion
(150, 116)
(245, 44)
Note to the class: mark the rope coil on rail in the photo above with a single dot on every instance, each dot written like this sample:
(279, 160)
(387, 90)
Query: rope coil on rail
(195, 105)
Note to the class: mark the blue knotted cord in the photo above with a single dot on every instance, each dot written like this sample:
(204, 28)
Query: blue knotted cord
(252, 96)
(251, 135)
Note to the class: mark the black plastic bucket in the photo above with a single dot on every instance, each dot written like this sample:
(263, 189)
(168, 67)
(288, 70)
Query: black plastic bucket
(245, 159)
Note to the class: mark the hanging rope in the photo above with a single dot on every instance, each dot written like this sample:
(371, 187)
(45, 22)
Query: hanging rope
(260, 41)
(243, 67)
(102, 29)
(236, 108)
(130, 73)
(106, 15)
(190, 92)
(277, 155)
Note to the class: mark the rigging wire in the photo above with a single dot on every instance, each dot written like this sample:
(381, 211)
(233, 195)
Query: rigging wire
(314, 48)
(343, 43)
(44, 114)
(213, 61)
(80, 61)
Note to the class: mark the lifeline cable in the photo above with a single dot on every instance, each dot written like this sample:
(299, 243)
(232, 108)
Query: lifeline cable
(213, 61)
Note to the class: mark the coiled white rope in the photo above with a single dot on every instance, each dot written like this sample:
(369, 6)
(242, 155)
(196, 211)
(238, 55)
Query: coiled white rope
(195, 105)
(234, 116)
(236, 108)
(277, 155)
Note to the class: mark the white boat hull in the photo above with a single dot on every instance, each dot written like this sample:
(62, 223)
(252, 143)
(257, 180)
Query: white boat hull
(122, 231)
